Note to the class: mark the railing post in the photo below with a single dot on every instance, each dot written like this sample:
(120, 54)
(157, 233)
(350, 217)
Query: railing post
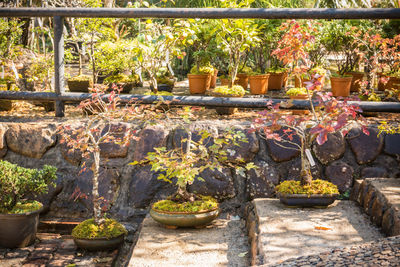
(59, 63)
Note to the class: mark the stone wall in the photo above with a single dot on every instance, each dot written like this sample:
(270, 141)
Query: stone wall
(129, 190)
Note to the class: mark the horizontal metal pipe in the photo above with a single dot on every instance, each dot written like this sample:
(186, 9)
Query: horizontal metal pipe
(208, 13)
(208, 101)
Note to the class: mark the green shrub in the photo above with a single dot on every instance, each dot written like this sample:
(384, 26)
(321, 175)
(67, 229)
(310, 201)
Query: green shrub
(317, 187)
(89, 229)
(19, 182)
(122, 78)
(275, 70)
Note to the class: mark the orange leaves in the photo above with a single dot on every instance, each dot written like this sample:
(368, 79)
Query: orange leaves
(322, 228)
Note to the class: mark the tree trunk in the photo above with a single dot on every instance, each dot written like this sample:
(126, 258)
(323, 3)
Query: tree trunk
(305, 173)
(95, 189)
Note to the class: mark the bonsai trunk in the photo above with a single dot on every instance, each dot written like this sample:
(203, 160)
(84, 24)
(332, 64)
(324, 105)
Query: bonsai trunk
(95, 189)
(305, 173)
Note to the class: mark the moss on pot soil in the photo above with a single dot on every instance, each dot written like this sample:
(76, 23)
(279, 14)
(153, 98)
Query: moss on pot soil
(88, 229)
(316, 187)
(24, 207)
(206, 203)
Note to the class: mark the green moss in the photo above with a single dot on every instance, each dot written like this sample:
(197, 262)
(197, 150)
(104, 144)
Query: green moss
(296, 91)
(24, 207)
(205, 204)
(122, 78)
(80, 78)
(316, 187)
(88, 229)
(235, 90)
(166, 80)
(159, 93)
(246, 70)
(318, 70)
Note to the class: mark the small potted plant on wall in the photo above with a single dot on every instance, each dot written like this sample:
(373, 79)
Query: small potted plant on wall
(226, 91)
(298, 93)
(200, 78)
(125, 82)
(276, 77)
(99, 232)
(258, 83)
(328, 116)
(19, 216)
(182, 166)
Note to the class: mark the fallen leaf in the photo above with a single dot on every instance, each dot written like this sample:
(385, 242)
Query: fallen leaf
(322, 228)
(241, 255)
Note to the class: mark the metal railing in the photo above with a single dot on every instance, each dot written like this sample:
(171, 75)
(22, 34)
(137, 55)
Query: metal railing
(58, 14)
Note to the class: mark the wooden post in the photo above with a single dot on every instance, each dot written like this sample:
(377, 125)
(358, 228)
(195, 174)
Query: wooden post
(59, 64)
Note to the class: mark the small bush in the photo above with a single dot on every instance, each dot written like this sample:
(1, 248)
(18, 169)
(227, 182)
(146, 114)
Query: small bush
(18, 182)
(234, 91)
(81, 78)
(296, 91)
(202, 70)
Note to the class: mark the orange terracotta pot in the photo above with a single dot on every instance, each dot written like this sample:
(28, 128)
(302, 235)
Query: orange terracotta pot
(199, 83)
(356, 80)
(393, 83)
(341, 86)
(243, 80)
(224, 81)
(276, 81)
(213, 81)
(259, 84)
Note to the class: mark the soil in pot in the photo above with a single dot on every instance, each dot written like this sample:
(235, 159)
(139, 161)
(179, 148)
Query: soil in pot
(199, 83)
(341, 86)
(276, 81)
(19, 230)
(259, 84)
(108, 236)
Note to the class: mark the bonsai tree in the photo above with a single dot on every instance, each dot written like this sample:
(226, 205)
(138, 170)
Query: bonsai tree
(328, 116)
(183, 165)
(18, 183)
(97, 129)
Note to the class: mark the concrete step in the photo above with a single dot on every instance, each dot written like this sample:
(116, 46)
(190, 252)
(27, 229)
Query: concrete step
(223, 243)
(283, 233)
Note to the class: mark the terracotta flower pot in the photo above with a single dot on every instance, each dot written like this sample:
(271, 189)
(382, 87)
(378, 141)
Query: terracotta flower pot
(199, 83)
(356, 80)
(259, 84)
(243, 80)
(276, 81)
(341, 86)
(393, 83)
(213, 81)
(224, 81)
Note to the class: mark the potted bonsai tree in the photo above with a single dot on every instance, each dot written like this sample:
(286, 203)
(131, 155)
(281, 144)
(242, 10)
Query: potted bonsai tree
(99, 232)
(182, 166)
(328, 116)
(19, 216)
(258, 82)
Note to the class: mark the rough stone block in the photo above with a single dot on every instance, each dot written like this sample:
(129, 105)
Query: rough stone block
(355, 190)
(261, 182)
(283, 151)
(340, 174)
(373, 172)
(392, 144)
(331, 150)
(30, 140)
(116, 144)
(369, 200)
(366, 148)
(379, 206)
(149, 138)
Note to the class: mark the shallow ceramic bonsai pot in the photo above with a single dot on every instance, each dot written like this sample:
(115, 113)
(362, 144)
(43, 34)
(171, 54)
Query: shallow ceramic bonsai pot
(98, 244)
(184, 219)
(18, 230)
(304, 200)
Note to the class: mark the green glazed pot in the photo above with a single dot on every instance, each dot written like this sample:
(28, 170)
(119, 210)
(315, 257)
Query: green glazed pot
(303, 200)
(98, 244)
(183, 219)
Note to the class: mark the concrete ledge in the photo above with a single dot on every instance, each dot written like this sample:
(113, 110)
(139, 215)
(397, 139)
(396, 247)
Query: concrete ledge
(380, 199)
(285, 233)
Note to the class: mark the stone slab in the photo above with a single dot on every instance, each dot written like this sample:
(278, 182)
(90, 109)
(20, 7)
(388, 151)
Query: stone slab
(220, 244)
(390, 188)
(286, 233)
